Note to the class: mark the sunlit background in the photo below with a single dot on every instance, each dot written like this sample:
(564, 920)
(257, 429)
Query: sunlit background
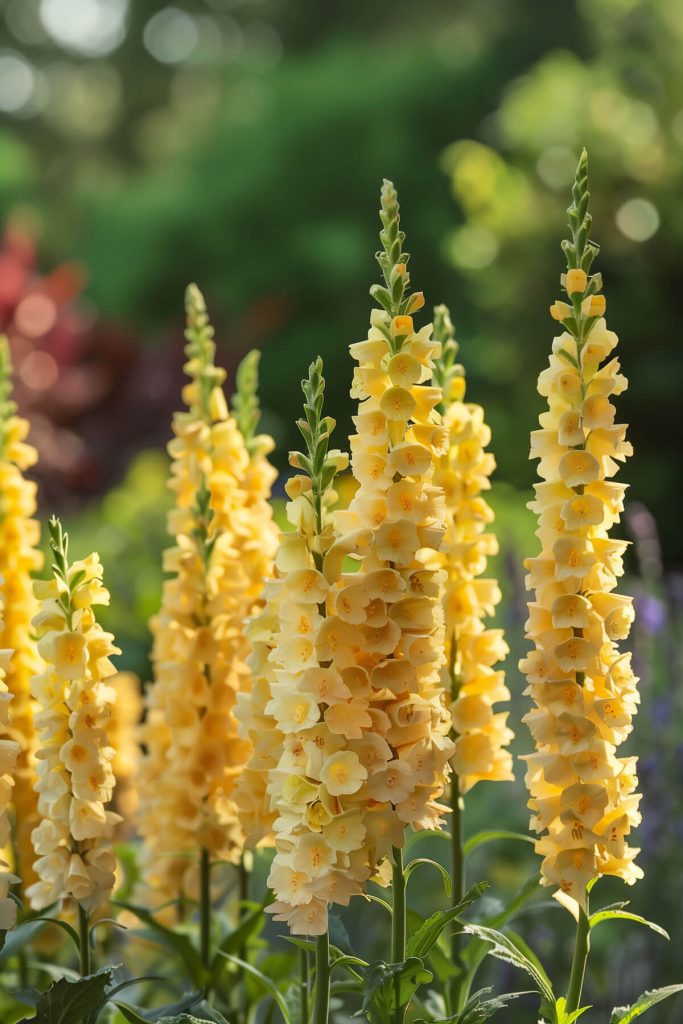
(241, 144)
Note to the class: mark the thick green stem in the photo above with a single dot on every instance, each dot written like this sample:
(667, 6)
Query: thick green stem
(321, 1009)
(303, 986)
(84, 943)
(458, 883)
(581, 948)
(398, 922)
(205, 908)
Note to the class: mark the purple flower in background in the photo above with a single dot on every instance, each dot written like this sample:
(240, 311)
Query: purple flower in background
(650, 613)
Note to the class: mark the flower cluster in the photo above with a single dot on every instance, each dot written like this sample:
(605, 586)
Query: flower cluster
(472, 650)
(19, 557)
(582, 795)
(9, 752)
(357, 693)
(123, 736)
(75, 778)
(224, 540)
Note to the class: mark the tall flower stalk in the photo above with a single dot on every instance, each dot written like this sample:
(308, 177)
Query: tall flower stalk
(19, 557)
(224, 540)
(75, 779)
(583, 795)
(480, 731)
(9, 752)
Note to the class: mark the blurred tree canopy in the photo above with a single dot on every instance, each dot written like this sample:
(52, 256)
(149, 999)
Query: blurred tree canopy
(241, 144)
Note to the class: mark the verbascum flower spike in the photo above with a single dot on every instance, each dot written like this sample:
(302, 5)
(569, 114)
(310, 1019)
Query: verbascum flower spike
(583, 795)
(9, 752)
(308, 775)
(19, 557)
(75, 778)
(386, 636)
(123, 735)
(472, 651)
(223, 545)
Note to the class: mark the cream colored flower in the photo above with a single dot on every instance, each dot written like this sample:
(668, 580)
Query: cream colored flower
(583, 796)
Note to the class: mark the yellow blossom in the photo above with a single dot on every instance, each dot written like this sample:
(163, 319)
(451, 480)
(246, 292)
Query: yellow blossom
(223, 544)
(73, 841)
(19, 557)
(481, 733)
(582, 793)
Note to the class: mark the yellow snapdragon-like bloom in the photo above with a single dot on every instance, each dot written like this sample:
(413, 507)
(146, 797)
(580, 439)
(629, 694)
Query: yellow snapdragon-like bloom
(75, 777)
(358, 694)
(19, 557)
(123, 735)
(224, 540)
(472, 650)
(583, 795)
(9, 753)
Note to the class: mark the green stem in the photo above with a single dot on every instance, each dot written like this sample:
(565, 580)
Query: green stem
(84, 943)
(398, 922)
(303, 986)
(458, 883)
(321, 1009)
(205, 908)
(581, 948)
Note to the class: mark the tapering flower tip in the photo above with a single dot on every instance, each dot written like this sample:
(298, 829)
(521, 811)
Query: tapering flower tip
(73, 841)
(9, 752)
(472, 650)
(222, 548)
(394, 295)
(204, 393)
(245, 405)
(583, 796)
(19, 557)
(448, 375)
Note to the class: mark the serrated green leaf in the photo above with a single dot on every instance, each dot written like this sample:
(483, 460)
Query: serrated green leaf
(388, 987)
(503, 948)
(626, 1014)
(478, 1009)
(427, 934)
(491, 835)
(625, 915)
(72, 1002)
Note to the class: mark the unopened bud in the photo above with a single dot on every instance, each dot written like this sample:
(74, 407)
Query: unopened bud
(575, 281)
(560, 311)
(401, 326)
(594, 305)
(415, 302)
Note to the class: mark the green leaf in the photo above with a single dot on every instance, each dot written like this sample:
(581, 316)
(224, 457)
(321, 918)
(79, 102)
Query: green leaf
(236, 941)
(389, 987)
(72, 1002)
(425, 833)
(445, 875)
(478, 1009)
(625, 915)
(491, 835)
(625, 1014)
(18, 937)
(504, 948)
(427, 934)
(568, 1018)
(180, 943)
(265, 983)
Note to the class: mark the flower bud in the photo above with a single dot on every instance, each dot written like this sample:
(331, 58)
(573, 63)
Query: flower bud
(575, 281)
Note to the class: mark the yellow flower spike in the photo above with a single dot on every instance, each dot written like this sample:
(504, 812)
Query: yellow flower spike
(584, 691)
(223, 545)
(19, 557)
(9, 752)
(463, 471)
(73, 840)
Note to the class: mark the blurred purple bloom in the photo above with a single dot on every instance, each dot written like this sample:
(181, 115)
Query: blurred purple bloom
(651, 613)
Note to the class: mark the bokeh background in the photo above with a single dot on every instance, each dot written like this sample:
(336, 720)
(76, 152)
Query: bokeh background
(241, 144)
